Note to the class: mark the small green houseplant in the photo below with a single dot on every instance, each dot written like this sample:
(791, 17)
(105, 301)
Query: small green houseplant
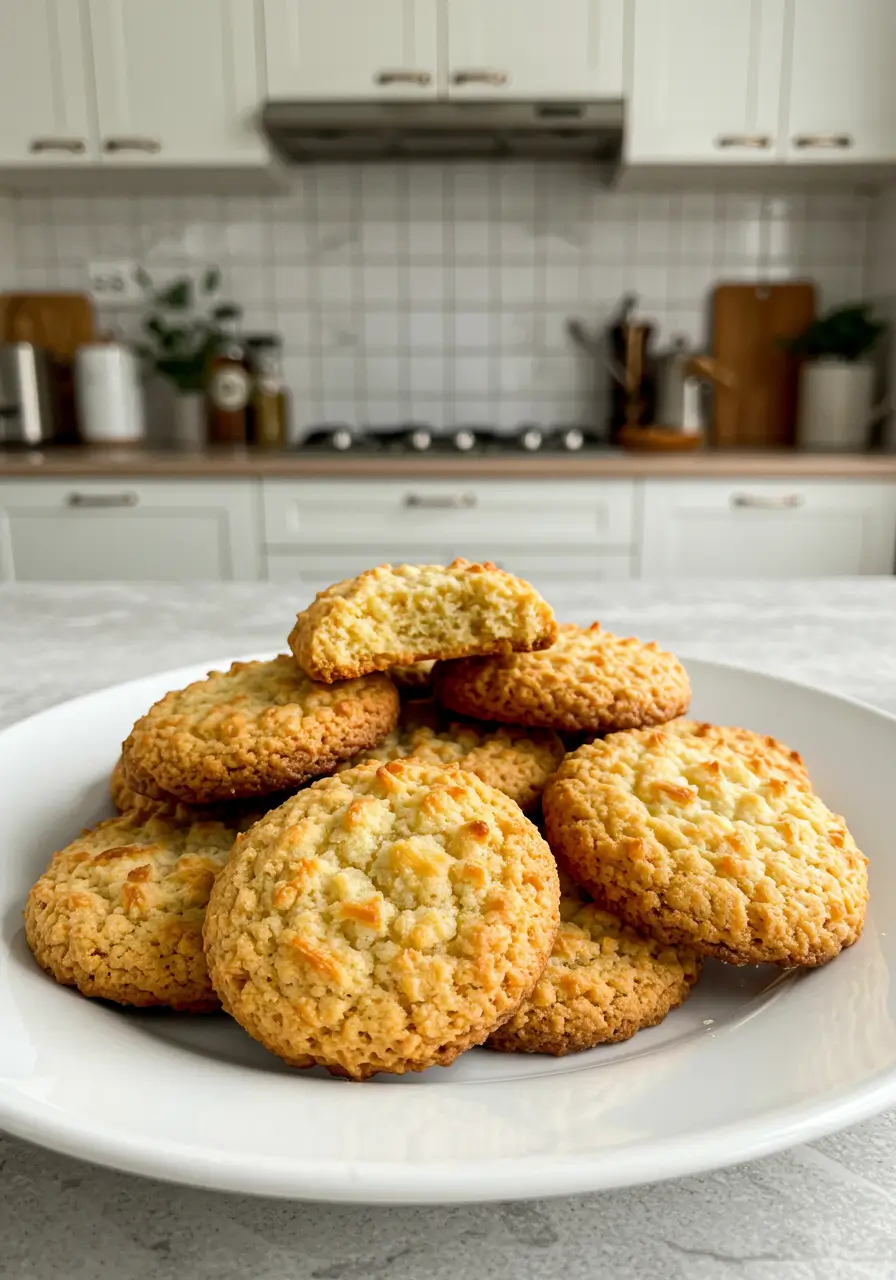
(179, 328)
(837, 380)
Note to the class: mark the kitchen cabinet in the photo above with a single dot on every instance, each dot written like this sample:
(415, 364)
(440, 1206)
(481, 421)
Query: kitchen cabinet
(45, 89)
(767, 529)
(535, 48)
(706, 81)
(177, 82)
(352, 48)
(842, 95)
(110, 530)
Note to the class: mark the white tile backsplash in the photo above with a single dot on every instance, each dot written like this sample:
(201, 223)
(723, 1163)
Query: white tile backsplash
(443, 290)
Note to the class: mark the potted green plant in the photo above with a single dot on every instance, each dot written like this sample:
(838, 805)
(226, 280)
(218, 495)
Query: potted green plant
(836, 397)
(180, 331)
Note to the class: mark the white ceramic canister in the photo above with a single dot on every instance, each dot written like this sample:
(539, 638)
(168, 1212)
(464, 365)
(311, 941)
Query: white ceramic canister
(109, 395)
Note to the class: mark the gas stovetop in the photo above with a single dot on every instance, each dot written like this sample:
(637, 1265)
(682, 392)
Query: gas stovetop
(420, 438)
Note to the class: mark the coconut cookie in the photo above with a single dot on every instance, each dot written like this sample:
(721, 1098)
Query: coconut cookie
(259, 728)
(384, 919)
(514, 760)
(238, 814)
(118, 913)
(602, 983)
(395, 616)
(701, 837)
(590, 681)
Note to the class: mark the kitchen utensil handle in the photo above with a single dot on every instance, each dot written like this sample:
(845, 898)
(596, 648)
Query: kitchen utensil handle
(823, 141)
(441, 501)
(768, 502)
(83, 501)
(150, 145)
(497, 79)
(76, 146)
(750, 141)
(384, 78)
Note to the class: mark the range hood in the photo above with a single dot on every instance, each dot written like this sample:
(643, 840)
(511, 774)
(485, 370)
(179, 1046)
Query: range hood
(307, 131)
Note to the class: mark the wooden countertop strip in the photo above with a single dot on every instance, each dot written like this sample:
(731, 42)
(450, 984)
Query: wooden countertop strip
(224, 464)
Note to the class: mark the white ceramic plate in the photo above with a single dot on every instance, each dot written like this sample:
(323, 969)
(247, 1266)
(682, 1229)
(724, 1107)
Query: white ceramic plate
(755, 1061)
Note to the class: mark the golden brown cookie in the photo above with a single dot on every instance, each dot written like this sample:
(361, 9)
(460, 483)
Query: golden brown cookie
(590, 681)
(394, 616)
(118, 913)
(415, 679)
(384, 919)
(602, 983)
(708, 839)
(257, 729)
(238, 814)
(516, 761)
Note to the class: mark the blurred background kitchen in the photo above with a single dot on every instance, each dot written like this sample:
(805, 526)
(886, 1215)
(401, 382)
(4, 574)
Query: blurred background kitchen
(598, 289)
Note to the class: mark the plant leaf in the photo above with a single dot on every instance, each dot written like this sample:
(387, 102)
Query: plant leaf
(143, 278)
(212, 280)
(178, 296)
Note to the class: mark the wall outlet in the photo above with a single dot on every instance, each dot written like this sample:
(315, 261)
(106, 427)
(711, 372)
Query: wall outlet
(115, 283)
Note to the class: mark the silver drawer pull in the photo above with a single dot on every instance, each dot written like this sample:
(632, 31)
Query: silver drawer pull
(77, 146)
(114, 145)
(441, 501)
(823, 141)
(497, 79)
(752, 141)
(384, 78)
(102, 500)
(763, 502)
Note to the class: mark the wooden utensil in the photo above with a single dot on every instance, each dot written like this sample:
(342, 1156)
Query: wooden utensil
(751, 324)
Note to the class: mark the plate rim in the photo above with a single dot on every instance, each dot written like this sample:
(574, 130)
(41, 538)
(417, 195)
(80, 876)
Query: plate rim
(507, 1177)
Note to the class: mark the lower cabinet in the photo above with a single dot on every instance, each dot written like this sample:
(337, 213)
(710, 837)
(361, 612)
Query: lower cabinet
(767, 529)
(129, 531)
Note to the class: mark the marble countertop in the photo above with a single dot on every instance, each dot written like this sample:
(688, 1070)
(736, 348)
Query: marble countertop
(828, 1209)
(146, 463)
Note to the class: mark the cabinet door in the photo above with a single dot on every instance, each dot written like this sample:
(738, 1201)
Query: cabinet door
(128, 531)
(767, 529)
(535, 48)
(346, 49)
(706, 81)
(842, 87)
(177, 81)
(44, 116)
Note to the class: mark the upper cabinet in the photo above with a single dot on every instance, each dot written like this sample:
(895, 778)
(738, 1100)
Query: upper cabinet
(534, 48)
(706, 81)
(842, 102)
(352, 48)
(45, 112)
(177, 81)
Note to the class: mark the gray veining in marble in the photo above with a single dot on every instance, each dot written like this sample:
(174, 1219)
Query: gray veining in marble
(825, 1210)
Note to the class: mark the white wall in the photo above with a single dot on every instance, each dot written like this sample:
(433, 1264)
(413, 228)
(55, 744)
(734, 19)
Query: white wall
(441, 292)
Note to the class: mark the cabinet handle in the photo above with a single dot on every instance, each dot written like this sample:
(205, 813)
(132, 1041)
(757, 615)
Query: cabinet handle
(498, 79)
(441, 501)
(102, 500)
(77, 146)
(751, 141)
(150, 145)
(823, 141)
(383, 78)
(764, 502)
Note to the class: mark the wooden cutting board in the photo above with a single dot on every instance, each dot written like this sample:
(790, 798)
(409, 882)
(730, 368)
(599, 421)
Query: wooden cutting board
(749, 324)
(60, 322)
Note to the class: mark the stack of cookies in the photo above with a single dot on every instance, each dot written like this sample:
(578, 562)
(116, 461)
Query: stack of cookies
(442, 821)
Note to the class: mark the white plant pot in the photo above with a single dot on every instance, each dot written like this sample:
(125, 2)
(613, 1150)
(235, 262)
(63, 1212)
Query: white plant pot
(836, 404)
(188, 420)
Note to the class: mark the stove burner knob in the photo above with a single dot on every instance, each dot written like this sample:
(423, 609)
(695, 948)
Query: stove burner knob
(531, 439)
(341, 439)
(464, 440)
(572, 439)
(420, 440)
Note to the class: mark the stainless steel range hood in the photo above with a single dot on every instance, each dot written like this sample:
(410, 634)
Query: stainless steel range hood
(305, 131)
